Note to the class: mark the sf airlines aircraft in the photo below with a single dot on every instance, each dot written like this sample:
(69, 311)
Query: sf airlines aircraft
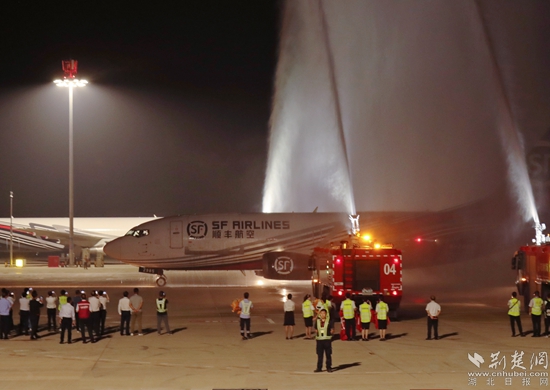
(278, 244)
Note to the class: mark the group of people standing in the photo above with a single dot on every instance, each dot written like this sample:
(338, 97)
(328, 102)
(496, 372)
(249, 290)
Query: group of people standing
(86, 314)
(537, 308)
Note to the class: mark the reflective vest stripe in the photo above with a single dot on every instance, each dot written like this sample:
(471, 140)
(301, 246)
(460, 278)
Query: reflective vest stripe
(306, 308)
(537, 306)
(514, 307)
(161, 305)
(365, 312)
(246, 307)
(323, 331)
(382, 311)
(348, 309)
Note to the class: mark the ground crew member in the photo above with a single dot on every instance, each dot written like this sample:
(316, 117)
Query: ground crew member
(349, 309)
(514, 310)
(433, 310)
(323, 336)
(289, 323)
(365, 313)
(24, 313)
(535, 310)
(5, 306)
(547, 314)
(62, 299)
(245, 305)
(162, 313)
(307, 310)
(382, 317)
(66, 320)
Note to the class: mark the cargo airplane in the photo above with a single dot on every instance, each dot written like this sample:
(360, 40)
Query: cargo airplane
(280, 245)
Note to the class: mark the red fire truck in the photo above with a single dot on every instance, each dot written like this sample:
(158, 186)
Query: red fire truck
(370, 271)
(532, 265)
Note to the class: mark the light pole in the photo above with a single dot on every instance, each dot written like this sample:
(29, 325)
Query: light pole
(70, 67)
(11, 228)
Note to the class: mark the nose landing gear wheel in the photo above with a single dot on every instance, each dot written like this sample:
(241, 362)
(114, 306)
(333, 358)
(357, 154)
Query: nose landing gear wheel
(161, 281)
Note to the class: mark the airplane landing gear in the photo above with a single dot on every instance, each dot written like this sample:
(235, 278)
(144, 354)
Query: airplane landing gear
(161, 280)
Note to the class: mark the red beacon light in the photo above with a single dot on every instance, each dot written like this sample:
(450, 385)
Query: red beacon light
(394, 292)
(418, 239)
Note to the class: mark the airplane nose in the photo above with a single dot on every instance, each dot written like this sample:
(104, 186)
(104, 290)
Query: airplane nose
(113, 249)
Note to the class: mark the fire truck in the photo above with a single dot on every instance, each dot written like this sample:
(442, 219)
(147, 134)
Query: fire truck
(532, 263)
(371, 271)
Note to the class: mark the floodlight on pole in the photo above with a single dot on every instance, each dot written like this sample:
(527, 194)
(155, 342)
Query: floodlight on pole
(70, 68)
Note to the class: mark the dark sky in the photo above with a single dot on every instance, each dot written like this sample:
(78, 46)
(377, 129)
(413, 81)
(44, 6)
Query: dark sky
(175, 119)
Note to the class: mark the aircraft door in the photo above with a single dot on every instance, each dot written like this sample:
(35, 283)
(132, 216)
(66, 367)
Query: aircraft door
(176, 234)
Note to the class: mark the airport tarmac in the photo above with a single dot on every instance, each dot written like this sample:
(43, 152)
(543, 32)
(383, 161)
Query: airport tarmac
(206, 350)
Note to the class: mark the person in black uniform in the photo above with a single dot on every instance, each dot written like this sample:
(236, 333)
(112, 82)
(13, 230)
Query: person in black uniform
(34, 305)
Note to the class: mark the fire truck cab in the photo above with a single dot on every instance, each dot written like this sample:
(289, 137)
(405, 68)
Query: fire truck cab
(372, 271)
(532, 265)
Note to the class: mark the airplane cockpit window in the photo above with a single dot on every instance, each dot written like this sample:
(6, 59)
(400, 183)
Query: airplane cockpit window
(138, 233)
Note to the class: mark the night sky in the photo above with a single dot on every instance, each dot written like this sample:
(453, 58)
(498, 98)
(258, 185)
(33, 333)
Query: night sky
(175, 119)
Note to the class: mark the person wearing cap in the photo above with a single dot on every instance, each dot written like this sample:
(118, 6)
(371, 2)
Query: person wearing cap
(125, 313)
(307, 311)
(24, 313)
(514, 312)
(535, 311)
(103, 300)
(67, 320)
(51, 310)
(323, 335)
(433, 309)
(136, 303)
(95, 306)
(162, 313)
(62, 299)
(83, 310)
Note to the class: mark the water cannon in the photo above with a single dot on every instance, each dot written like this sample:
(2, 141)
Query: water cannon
(355, 229)
(540, 238)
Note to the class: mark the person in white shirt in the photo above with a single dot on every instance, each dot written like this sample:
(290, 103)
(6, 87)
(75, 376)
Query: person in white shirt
(51, 309)
(103, 300)
(289, 323)
(94, 313)
(125, 312)
(67, 320)
(433, 309)
(24, 313)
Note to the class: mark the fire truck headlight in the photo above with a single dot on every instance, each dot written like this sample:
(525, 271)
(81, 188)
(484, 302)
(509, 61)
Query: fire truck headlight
(339, 292)
(523, 279)
(394, 292)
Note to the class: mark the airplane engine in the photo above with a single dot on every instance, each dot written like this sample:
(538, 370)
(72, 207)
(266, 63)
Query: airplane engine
(286, 266)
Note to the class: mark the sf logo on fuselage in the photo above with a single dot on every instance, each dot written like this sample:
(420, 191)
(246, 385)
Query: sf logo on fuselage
(197, 229)
(283, 265)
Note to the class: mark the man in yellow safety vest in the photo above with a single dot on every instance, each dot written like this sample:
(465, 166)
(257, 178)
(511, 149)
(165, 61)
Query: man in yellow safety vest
(162, 313)
(349, 309)
(382, 317)
(535, 310)
(365, 312)
(307, 310)
(514, 311)
(324, 341)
